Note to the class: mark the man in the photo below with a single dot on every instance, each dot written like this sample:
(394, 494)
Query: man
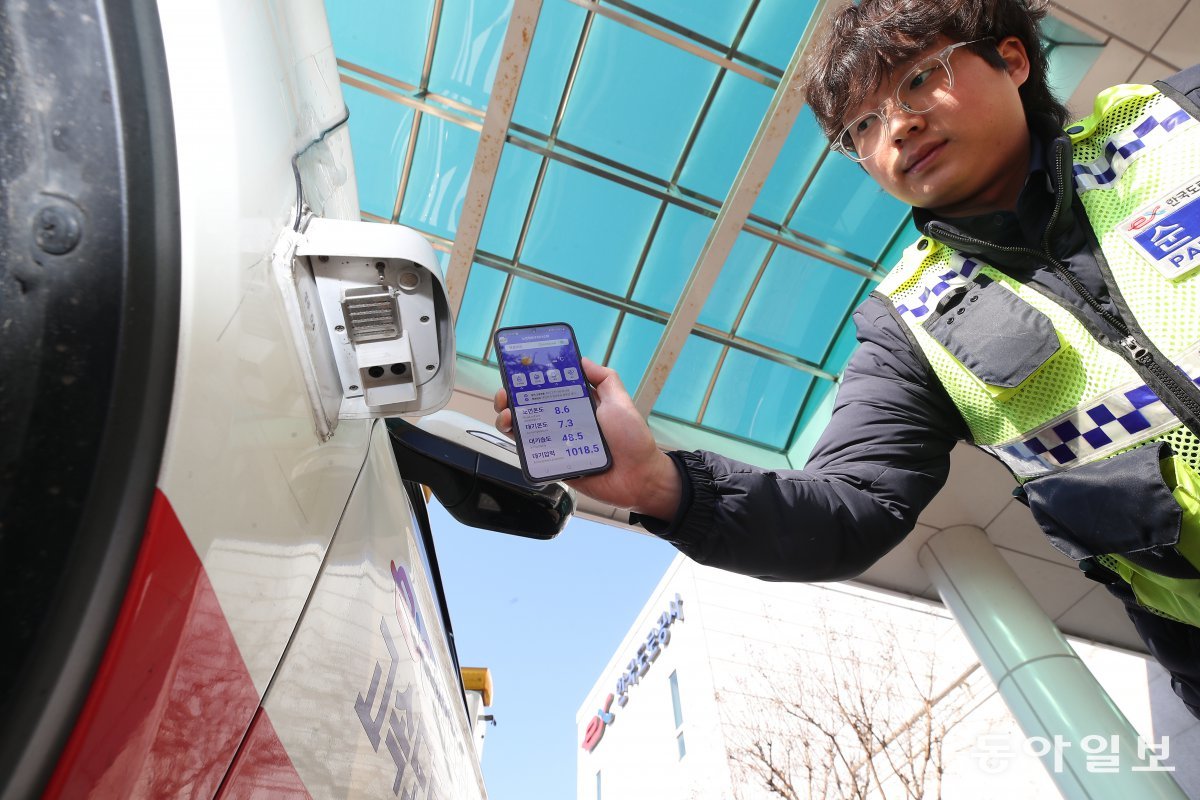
(1050, 315)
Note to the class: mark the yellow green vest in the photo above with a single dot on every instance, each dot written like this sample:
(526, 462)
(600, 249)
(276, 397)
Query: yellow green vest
(1137, 174)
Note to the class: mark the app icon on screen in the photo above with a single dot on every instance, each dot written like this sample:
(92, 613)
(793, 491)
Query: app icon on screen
(571, 374)
(554, 376)
(537, 378)
(518, 379)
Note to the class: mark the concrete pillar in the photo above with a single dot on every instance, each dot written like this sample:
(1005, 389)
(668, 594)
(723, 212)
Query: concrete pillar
(1047, 687)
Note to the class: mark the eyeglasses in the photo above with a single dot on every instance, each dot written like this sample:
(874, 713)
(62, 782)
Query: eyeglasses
(920, 91)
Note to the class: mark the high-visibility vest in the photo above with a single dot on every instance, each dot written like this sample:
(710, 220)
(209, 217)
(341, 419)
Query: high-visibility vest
(1073, 418)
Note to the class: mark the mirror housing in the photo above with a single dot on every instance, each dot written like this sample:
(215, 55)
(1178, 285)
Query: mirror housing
(475, 474)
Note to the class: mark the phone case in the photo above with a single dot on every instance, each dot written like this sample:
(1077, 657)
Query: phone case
(518, 437)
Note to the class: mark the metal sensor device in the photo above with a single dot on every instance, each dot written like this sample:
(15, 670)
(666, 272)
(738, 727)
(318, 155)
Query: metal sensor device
(370, 314)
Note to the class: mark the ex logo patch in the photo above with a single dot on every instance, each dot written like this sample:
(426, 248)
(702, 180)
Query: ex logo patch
(1166, 232)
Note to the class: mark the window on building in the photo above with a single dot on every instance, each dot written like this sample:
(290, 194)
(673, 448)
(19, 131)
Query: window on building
(678, 708)
(675, 700)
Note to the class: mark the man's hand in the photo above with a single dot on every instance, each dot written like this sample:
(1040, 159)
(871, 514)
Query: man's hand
(641, 477)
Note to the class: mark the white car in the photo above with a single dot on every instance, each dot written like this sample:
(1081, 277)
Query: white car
(217, 572)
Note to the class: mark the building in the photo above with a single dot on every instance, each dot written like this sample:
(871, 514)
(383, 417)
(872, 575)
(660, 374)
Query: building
(726, 686)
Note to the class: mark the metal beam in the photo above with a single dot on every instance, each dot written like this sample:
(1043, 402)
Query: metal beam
(515, 269)
(731, 50)
(517, 41)
(634, 308)
(406, 98)
(555, 149)
(675, 40)
(768, 142)
(416, 94)
(527, 220)
(415, 129)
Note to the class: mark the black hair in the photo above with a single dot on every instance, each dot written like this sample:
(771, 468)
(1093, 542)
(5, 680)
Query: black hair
(864, 41)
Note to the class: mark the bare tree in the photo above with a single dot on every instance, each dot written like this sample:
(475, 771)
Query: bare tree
(851, 719)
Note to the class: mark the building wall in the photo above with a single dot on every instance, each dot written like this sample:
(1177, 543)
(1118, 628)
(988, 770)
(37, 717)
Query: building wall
(751, 655)
(638, 754)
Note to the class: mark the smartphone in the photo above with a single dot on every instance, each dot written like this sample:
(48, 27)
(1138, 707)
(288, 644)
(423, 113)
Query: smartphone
(554, 417)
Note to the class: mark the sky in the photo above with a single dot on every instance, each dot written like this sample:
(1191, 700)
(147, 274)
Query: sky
(545, 617)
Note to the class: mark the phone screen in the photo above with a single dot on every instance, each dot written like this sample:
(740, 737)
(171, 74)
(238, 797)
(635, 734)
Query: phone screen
(553, 419)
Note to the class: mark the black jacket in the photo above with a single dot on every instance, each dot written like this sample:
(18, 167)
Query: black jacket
(886, 451)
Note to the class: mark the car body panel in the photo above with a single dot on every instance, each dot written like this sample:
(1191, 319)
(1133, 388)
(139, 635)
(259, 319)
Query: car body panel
(279, 568)
(367, 699)
(256, 491)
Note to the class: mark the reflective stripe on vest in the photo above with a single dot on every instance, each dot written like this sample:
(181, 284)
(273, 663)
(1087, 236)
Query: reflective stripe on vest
(1121, 419)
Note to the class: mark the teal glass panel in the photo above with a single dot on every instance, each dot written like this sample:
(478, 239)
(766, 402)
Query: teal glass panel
(725, 136)
(634, 348)
(844, 207)
(588, 229)
(1068, 64)
(1055, 31)
(388, 36)
(799, 304)
(470, 38)
(756, 399)
(729, 292)
(843, 347)
(443, 259)
(379, 132)
(821, 389)
(634, 98)
(776, 29)
(440, 170)
(478, 311)
(509, 202)
(558, 29)
(846, 339)
(673, 253)
(796, 161)
(682, 395)
(532, 303)
(716, 19)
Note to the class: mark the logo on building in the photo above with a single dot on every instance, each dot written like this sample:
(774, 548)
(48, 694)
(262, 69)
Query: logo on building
(647, 653)
(595, 728)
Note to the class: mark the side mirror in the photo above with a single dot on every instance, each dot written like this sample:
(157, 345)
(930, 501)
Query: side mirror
(475, 475)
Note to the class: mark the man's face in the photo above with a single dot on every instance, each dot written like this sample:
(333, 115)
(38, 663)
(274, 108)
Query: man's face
(969, 154)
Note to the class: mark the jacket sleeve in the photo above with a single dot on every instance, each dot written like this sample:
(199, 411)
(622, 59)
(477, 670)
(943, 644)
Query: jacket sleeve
(1184, 88)
(884, 455)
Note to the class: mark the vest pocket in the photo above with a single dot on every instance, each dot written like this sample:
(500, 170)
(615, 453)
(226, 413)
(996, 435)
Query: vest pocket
(1176, 597)
(1125, 506)
(994, 335)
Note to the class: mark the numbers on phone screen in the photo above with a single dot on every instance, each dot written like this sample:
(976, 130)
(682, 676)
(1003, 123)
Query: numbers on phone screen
(572, 437)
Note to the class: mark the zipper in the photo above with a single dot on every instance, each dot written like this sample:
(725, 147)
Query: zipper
(1129, 346)
(1143, 356)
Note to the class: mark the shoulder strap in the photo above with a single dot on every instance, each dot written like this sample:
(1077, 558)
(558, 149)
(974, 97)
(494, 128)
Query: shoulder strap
(1184, 88)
